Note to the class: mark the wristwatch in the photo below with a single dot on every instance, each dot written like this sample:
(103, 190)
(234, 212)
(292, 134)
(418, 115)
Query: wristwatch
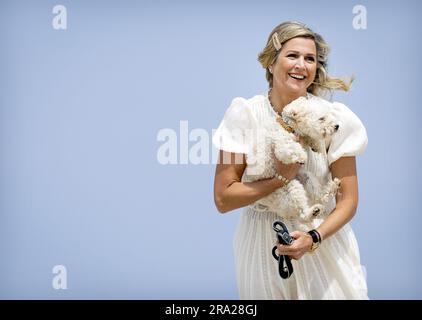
(316, 239)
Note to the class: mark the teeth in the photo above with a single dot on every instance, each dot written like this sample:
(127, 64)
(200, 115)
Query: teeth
(296, 76)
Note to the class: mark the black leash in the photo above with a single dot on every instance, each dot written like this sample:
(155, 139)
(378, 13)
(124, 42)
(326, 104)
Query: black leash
(283, 237)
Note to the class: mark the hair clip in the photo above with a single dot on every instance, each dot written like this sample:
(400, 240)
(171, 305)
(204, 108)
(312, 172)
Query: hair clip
(276, 42)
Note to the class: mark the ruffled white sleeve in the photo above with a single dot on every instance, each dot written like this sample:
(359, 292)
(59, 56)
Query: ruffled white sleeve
(350, 139)
(234, 131)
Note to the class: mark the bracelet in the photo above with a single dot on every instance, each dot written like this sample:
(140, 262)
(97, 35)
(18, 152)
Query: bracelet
(316, 239)
(316, 236)
(281, 178)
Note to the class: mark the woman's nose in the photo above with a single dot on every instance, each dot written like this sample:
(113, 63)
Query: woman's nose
(300, 63)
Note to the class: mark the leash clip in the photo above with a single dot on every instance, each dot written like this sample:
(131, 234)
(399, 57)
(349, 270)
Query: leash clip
(285, 238)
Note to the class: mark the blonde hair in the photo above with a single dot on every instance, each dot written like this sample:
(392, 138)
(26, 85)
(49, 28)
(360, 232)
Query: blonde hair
(292, 29)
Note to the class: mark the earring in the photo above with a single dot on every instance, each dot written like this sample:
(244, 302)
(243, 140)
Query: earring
(271, 70)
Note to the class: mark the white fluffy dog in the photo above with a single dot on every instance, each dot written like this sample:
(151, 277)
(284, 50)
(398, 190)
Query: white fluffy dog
(304, 196)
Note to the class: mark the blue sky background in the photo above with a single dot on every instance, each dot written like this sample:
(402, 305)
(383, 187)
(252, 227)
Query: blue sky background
(80, 110)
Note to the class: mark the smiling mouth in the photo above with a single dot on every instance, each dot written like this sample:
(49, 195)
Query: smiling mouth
(297, 76)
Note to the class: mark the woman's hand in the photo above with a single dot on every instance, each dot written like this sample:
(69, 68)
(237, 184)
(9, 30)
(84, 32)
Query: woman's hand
(301, 245)
(288, 171)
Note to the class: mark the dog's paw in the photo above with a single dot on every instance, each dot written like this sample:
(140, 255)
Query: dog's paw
(299, 156)
(337, 186)
(312, 212)
(334, 186)
(337, 183)
(317, 210)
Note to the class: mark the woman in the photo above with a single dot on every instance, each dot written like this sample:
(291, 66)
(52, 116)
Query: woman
(295, 60)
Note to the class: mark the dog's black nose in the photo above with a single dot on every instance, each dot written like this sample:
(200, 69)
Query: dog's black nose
(336, 127)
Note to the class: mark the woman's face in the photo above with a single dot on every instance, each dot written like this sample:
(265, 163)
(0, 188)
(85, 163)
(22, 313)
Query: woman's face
(295, 67)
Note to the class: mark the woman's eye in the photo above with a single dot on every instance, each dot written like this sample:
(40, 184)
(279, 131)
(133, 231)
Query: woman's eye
(292, 55)
(311, 59)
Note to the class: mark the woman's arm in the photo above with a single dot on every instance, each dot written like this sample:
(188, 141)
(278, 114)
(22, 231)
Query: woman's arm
(344, 169)
(230, 193)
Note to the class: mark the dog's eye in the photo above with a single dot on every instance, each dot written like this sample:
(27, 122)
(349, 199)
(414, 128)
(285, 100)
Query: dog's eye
(321, 119)
(294, 114)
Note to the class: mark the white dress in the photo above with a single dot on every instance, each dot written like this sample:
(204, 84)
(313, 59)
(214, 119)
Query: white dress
(333, 271)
